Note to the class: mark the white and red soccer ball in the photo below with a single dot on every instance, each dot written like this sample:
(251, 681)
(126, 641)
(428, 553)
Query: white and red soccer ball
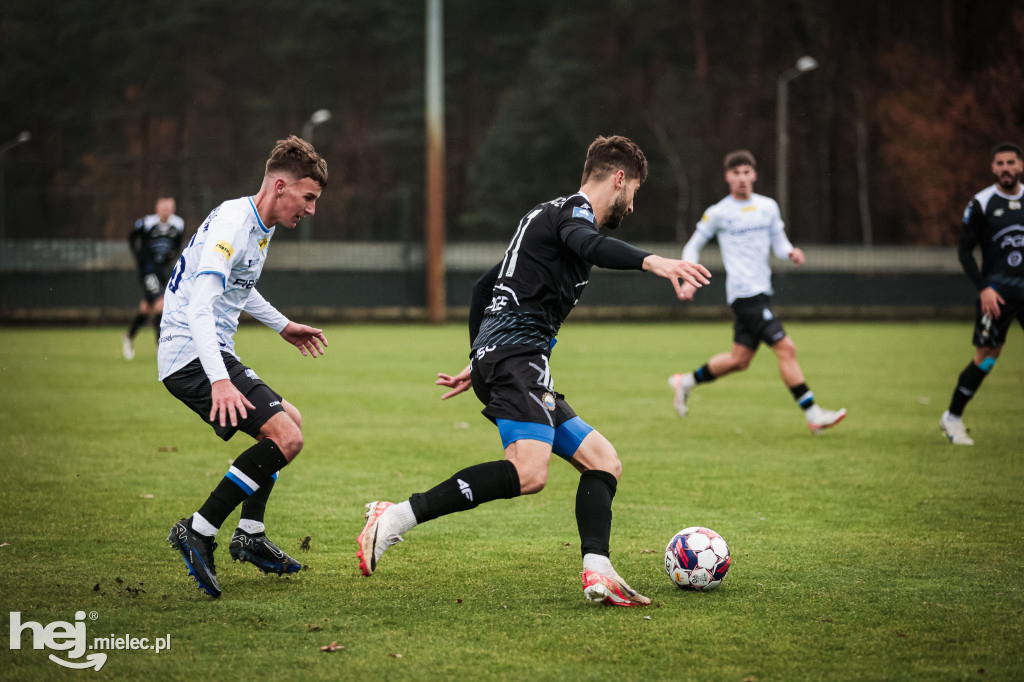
(697, 558)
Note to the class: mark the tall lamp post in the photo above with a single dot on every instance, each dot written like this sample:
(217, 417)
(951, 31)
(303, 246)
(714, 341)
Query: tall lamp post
(803, 65)
(316, 118)
(434, 105)
(23, 136)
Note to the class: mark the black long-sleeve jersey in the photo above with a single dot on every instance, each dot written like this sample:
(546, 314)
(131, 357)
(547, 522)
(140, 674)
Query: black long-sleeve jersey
(996, 222)
(544, 271)
(154, 243)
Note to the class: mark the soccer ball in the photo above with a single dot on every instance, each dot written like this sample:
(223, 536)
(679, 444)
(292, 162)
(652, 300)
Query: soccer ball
(697, 558)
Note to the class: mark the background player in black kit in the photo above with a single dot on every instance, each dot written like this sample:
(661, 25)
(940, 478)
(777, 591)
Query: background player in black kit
(994, 220)
(516, 311)
(155, 242)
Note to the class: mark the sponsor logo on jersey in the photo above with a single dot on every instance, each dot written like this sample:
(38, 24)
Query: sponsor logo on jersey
(263, 243)
(1014, 259)
(998, 212)
(549, 402)
(580, 212)
(245, 283)
(224, 249)
(1014, 205)
(748, 209)
(1014, 240)
(497, 303)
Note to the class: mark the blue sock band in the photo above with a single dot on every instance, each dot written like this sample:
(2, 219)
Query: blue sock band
(987, 364)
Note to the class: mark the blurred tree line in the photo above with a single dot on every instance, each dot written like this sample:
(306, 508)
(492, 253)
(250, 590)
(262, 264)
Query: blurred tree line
(127, 101)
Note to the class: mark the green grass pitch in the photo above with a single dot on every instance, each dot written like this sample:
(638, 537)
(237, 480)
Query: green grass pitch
(876, 551)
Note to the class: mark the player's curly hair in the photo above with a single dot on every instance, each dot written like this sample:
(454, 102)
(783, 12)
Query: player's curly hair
(297, 157)
(609, 154)
(740, 157)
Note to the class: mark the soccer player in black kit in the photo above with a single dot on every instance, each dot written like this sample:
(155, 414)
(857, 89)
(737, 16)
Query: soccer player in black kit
(155, 242)
(516, 311)
(993, 220)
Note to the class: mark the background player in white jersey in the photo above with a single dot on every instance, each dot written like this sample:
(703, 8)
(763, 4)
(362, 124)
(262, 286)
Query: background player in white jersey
(213, 282)
(516, 312)
(155, 242)
(993, 220)
(748, 227)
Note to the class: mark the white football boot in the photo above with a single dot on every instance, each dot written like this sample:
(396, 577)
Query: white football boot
(127, 347)
(376, 537)
(954, 429)
(819, 419)
(682, 385)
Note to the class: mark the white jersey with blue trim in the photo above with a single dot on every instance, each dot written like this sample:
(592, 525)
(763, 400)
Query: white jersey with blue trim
(746, 231)
(233, 243)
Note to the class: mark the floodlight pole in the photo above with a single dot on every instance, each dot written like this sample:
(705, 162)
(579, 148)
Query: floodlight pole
(23, 136)
(316, 118)
(435, 228)
(803, 65)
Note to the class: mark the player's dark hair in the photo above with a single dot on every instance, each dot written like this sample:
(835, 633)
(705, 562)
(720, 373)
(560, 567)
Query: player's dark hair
(1006, 147)
(297, 157)
(609, 154)
(740, 157)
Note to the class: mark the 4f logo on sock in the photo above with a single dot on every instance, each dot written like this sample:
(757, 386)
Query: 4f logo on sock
(465, 489)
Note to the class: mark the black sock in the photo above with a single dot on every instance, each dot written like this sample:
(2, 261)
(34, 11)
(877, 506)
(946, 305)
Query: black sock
(703, 374)
(255, 505)
(465, 490)
(967, 385)
(802, 395)
(140, 319)
(250, 471)
(594, 511)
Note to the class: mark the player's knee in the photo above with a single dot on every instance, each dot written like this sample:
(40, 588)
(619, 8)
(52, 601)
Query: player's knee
(288, 440)
(293, 412)
(533, 481)
(608, 460)
(614, 467)
(785, 348)
(533, 474)
(740, 363)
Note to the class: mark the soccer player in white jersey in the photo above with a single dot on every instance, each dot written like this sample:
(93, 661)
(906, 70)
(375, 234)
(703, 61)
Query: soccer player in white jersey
(748, 226)
(213, 282)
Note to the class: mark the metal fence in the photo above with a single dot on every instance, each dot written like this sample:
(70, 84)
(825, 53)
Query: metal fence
(95, 281)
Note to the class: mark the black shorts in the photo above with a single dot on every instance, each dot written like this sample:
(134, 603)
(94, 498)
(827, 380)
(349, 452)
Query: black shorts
(514, 382)
(153, 280)
(191, 386)
(756, 322)
(992, 333)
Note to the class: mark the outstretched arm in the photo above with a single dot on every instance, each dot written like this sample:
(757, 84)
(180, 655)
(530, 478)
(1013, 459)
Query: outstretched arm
(680, 273)
(309, 340)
